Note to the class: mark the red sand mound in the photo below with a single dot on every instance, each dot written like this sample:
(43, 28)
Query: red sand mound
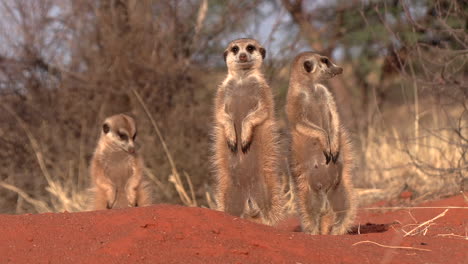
(175, 234)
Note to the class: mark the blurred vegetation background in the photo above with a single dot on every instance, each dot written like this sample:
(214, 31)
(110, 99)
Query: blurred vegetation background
(67, 64)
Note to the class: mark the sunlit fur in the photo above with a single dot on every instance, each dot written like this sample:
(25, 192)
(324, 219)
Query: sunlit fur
(246, 149)
(116, 168)
(321, 156)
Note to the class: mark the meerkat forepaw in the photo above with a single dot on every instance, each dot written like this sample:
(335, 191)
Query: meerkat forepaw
(246, 146)
(328, 157)
(311, 231)
(335, 156)
(232, 145)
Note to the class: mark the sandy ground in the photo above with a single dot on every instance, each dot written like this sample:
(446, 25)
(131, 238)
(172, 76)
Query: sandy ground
(176, 234)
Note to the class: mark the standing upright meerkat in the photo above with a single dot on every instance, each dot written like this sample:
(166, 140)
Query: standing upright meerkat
(321, 157)
(116, 169)
(246, 142)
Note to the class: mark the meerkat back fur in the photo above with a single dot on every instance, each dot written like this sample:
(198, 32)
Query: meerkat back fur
(116, 169)
(321, 157)
(245, 138)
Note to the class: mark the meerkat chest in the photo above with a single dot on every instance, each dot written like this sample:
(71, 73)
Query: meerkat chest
(314, 107)
(242, 96)
(119, 168)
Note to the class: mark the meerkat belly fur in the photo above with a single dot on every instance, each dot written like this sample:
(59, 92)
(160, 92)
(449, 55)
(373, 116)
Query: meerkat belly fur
(321, 157)
(246, 143)
(116, 169)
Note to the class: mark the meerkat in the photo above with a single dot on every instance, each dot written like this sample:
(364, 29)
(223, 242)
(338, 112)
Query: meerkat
(245, 138)
(321, 156)
(116, 169)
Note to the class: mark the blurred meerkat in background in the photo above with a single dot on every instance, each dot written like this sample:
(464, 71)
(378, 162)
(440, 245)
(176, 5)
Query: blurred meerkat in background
(116, 168)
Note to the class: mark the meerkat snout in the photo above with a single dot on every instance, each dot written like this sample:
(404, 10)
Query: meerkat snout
(320, 67)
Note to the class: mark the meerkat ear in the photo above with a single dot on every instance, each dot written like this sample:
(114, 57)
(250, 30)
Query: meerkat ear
(225, 54)
(309, 66)
(263, 52)
(105, 128)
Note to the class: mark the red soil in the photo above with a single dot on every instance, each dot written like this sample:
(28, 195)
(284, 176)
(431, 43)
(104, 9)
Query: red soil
(176, 234)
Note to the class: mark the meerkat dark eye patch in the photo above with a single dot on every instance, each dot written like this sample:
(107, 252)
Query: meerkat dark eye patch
(250, 48)
(105, 128)
(225, 55)
(134, 136)
(235, 49)
(325, 61)
(263, 52)
(123, 136)
(308, 66)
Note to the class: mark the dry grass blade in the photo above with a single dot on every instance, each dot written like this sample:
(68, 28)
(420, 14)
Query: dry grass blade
(385, 246)
(192, 192)
(209, 200)
(416, 207)
(453, 235)
(40, 206)
(175, 176)
(158, 183)
(65, 201)
(428, 222)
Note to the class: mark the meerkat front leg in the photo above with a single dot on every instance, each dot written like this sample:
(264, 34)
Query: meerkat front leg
(311, 130)
(105, 185)
(253, 119)
(133, 184)
(225, 119)
(334, 129)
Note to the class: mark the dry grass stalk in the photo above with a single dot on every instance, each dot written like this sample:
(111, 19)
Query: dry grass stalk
(425, 224)
(394, 247)
(416, 207)
(40, 206)
(67, 199)
(453, 235)
(174, 178)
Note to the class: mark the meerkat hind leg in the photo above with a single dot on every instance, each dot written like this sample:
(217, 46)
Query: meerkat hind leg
(340, 203)
(310, 204)
(234, 201)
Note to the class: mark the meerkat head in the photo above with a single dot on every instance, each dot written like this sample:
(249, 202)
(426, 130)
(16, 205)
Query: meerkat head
(244, 54)
(314, 67)
(119, 132)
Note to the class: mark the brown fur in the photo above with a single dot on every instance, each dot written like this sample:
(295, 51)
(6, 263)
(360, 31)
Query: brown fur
(246, 143)
(321, 156)
(116, 169)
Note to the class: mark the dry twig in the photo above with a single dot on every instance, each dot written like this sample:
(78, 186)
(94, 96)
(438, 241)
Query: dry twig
(385, 246)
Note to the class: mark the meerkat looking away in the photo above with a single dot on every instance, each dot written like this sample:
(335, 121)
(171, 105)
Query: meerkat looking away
(116, 169)
(246, 142)
(320, 154)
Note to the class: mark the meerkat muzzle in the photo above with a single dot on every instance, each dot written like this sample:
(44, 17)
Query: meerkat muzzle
(243, 57)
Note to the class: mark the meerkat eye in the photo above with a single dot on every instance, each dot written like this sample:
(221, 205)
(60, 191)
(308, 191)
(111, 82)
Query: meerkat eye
(123, 137)
(105, 128)
(308, 66)
(235, 49)
(324, 60)
(250, 48)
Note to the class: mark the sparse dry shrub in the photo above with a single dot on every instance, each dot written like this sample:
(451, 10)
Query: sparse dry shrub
(69, 64)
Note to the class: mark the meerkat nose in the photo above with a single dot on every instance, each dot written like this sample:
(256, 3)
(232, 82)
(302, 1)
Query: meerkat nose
(243, 57)
(131, 150)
